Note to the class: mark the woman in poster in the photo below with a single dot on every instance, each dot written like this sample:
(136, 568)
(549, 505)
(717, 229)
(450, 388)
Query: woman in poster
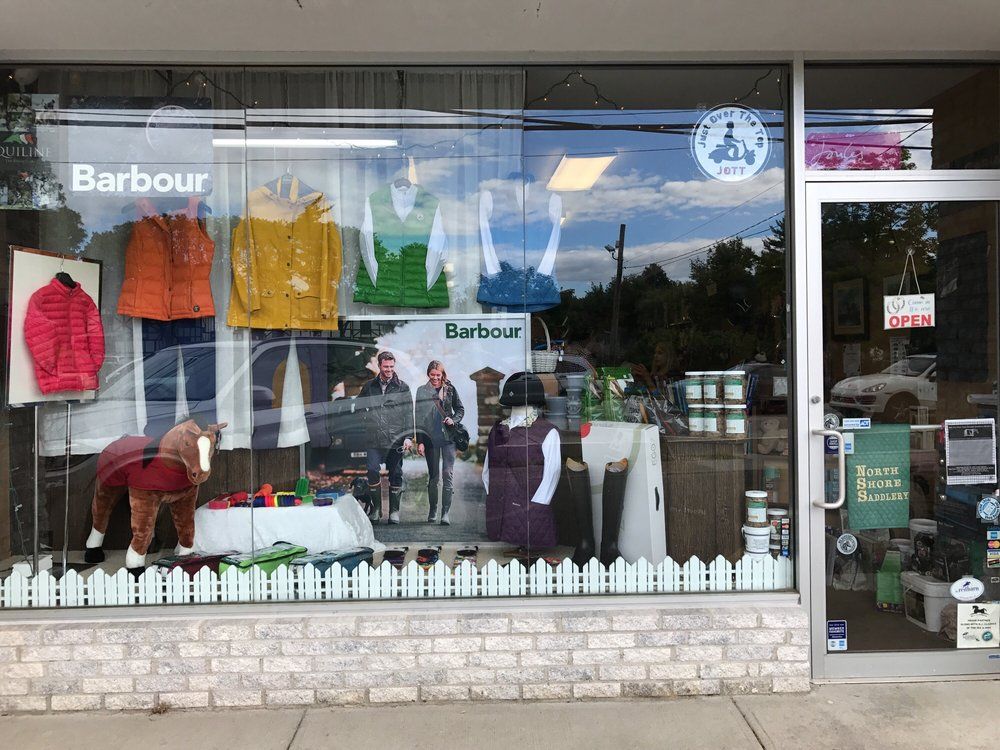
(438, 408)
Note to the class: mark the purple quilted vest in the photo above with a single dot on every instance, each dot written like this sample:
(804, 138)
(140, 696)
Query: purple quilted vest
(516, 466)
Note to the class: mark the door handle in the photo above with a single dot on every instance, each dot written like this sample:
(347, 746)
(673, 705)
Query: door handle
(841, 471)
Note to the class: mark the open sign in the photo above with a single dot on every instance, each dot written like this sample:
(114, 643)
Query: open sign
(908, 311)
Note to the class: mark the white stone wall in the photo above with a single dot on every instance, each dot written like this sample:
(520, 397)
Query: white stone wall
(199, 659)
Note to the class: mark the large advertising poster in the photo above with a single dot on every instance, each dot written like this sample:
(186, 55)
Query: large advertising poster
(477, 354)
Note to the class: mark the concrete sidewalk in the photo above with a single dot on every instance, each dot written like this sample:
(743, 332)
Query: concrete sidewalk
(932, 715)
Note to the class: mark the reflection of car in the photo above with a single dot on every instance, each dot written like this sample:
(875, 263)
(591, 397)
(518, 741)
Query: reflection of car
(890, 394)
(770, 394)
(113, 414)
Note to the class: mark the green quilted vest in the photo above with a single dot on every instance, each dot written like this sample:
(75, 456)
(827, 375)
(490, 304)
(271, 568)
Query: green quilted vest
(401, 254)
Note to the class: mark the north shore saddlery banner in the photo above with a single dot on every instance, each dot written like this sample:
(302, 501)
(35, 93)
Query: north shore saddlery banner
(878, 478)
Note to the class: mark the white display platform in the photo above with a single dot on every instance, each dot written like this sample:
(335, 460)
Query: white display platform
(317, 528)
(643, 530)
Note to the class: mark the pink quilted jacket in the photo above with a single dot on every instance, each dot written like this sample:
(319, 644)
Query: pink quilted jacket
(64, 334)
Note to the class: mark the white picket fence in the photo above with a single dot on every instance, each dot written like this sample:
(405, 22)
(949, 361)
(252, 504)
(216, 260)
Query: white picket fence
(97, 588)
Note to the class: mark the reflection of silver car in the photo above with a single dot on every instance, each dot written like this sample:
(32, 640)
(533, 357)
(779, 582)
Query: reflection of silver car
(114, 412)
(890, 394)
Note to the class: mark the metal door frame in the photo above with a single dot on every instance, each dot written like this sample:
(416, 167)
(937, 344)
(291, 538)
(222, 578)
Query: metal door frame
(868, 188)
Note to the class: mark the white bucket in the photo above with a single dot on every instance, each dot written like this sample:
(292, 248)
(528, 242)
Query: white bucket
(924, 599)
(905, 547)
(757, 539)
(922, 526)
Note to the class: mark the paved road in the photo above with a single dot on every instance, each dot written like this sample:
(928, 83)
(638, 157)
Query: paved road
(835, 717)
(468, 510)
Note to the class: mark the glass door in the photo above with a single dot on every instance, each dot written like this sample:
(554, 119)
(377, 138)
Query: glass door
(902, 328)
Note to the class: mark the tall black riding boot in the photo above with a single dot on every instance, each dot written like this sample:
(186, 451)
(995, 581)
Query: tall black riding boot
(578, 478)
(446, 494)
(432, 500)
(374, 502)
(613, 501)
(395, 497)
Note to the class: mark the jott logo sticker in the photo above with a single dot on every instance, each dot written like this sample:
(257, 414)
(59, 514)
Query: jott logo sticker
(730, 143)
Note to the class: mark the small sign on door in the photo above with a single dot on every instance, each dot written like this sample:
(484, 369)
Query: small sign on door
(836, 635)
(908, 311)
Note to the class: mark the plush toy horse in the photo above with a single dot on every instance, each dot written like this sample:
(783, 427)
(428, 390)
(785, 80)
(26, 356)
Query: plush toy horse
(168, 470)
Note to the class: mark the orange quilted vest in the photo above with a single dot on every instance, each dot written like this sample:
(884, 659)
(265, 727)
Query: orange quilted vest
(167, 266)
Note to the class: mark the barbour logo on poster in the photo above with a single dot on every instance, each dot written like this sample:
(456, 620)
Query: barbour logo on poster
(479, 331)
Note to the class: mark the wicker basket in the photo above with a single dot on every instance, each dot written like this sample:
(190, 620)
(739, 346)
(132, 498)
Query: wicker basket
(544, 360)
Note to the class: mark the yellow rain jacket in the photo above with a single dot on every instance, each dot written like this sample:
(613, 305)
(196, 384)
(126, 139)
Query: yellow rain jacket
(286, 258)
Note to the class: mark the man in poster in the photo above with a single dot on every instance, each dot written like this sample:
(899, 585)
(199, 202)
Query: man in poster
(386, 404)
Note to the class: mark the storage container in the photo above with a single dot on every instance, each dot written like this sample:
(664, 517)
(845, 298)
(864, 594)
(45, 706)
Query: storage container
(736, 420)
(692, 387)
(757, 540)
(756, 502)
(711, 387)
(734, 390)
(924, 598)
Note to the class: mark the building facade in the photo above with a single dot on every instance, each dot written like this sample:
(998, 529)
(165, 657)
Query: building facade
(523, 353)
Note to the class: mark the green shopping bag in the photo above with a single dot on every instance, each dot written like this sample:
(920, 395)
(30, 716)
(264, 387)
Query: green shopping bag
(888, 585)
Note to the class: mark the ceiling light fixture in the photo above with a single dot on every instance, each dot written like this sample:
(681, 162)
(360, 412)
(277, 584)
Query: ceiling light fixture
(304, 143)
(578, 172)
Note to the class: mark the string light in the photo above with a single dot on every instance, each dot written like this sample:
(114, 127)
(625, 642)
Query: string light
(566, 81)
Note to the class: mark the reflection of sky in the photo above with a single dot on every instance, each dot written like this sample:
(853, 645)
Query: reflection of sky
(672, 211)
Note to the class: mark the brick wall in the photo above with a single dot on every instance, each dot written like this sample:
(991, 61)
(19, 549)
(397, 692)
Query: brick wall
(193, 660)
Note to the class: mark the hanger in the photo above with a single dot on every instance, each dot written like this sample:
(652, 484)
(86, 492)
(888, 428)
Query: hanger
(64, 278)
(276, 185)
(402, 182)
(167, 205)
(526, 177)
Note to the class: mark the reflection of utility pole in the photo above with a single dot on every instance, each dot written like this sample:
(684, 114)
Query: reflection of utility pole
(618, 253)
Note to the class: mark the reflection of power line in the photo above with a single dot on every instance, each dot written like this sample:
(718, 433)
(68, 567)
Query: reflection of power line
(698, 250)
(715, 218)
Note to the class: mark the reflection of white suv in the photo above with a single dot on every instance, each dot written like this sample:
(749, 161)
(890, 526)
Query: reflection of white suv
(910, 382)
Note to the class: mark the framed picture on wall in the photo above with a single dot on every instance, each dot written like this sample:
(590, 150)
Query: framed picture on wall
(850, 310)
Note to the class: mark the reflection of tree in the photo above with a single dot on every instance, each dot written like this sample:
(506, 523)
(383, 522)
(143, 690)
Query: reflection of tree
(872, 240)
(730, 310)
(58, 230)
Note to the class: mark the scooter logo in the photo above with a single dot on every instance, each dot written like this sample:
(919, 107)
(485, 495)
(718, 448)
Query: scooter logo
(730, 143)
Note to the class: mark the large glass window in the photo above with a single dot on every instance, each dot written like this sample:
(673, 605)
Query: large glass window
(878, 117)
(377, 332)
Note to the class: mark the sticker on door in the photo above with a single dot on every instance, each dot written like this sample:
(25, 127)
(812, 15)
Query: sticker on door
(836, 635)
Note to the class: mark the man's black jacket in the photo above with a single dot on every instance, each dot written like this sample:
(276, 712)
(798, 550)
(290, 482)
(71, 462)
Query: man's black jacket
(388, 416)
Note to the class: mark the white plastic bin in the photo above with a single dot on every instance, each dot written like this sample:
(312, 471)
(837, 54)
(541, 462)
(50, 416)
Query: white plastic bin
(924, 599)
(922, 526)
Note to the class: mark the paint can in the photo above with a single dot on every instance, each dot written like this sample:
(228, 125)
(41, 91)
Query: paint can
(756, 540)
(757, 509)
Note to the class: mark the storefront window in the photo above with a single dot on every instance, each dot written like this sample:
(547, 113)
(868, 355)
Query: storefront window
(352, 333)
(878, 117)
